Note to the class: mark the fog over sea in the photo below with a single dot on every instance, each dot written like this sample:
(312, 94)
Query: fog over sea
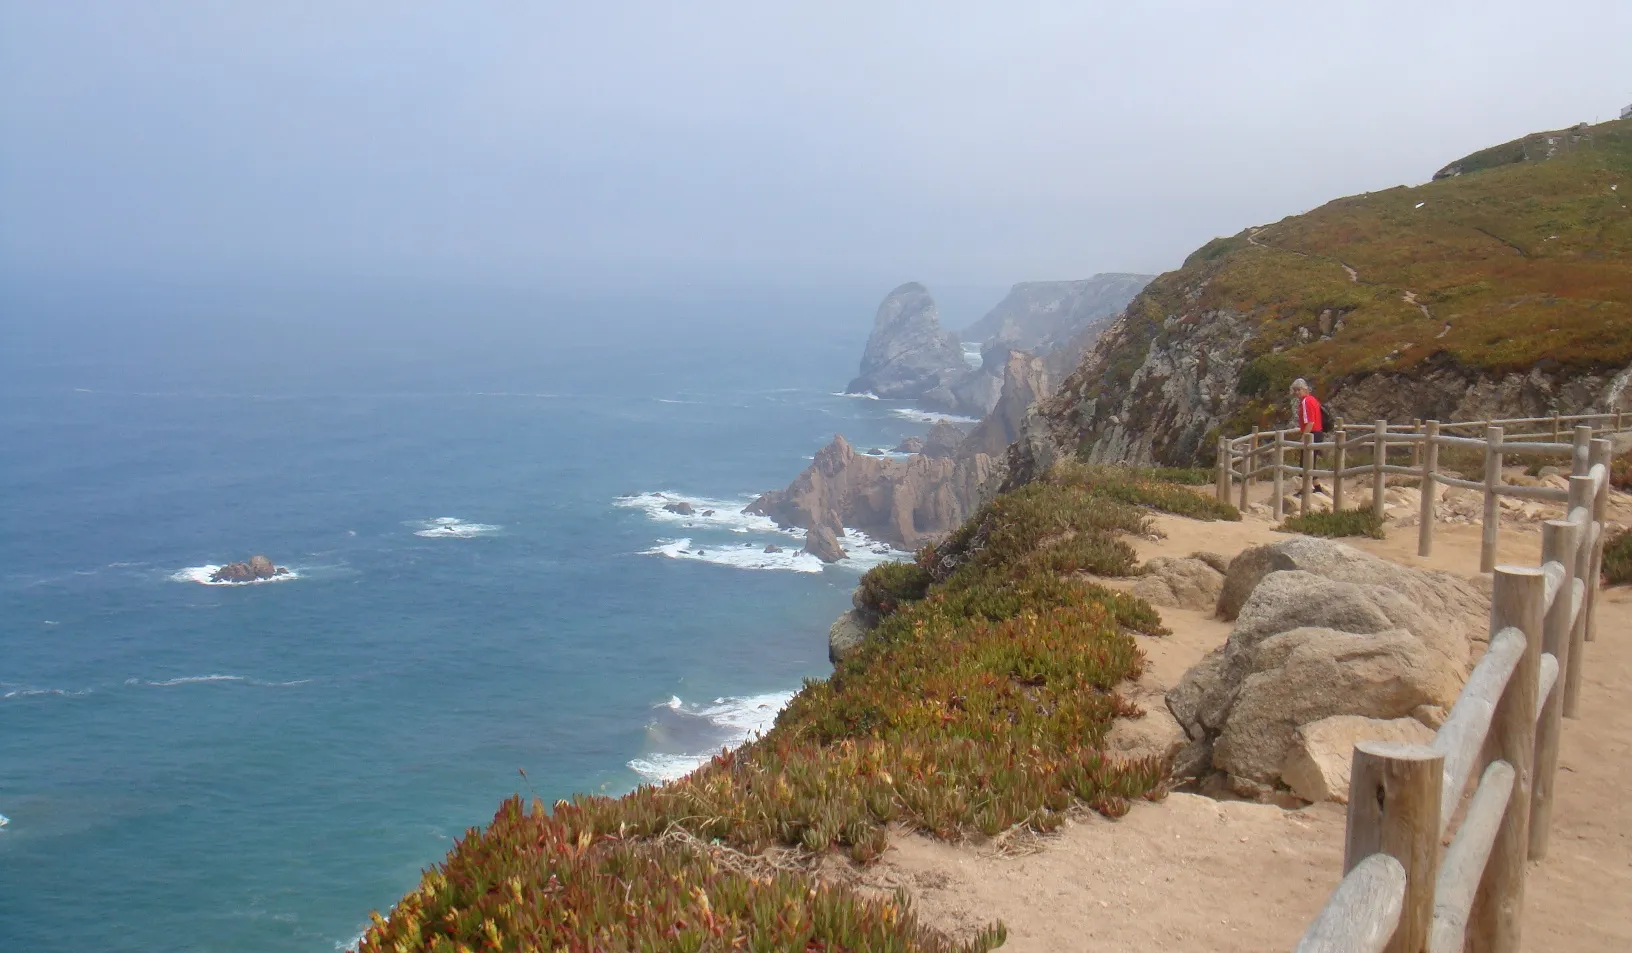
(468, 489)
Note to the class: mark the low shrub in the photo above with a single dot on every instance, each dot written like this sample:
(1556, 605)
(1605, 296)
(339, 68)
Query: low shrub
(1189, 476)
(1141, 487)
(1620, 472)
(885, 587)
(1359, 522)
(1618, 558)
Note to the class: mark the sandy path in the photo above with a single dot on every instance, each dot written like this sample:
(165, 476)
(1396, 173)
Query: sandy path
(1193, 874)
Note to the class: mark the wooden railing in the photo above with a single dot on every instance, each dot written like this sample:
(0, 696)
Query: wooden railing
(1400, 893)
(1244, 460)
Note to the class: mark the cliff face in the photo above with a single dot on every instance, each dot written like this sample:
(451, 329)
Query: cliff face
(1025, 381)
(1040, 316)
(906, 502)
(1501, 291)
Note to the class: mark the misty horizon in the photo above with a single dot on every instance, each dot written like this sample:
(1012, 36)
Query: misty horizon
(536, 147)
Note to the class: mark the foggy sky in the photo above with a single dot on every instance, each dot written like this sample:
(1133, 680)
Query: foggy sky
(943, 142)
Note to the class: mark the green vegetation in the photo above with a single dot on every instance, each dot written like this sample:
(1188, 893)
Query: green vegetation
(977, 706)
(1618, 558)
(1158, 488)
(1521, 261)
(1361, 522)
(1620, 472)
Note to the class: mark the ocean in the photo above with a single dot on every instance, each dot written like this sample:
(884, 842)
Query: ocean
(486, 594)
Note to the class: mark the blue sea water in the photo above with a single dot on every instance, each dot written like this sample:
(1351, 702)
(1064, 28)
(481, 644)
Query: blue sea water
(484, 580)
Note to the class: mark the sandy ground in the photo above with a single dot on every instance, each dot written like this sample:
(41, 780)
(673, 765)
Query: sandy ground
(1194, 874)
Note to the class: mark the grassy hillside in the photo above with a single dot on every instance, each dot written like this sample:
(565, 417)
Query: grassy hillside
(977, 706)
(1521, 259)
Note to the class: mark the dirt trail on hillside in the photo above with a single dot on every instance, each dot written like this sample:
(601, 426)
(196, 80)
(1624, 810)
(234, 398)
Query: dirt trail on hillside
(1193, 874)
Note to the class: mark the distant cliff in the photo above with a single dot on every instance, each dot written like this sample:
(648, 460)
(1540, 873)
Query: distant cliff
(1041, 316)
(1503, 288)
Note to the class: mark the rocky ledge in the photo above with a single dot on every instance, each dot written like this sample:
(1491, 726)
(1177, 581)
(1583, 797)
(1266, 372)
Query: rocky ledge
(257, 569)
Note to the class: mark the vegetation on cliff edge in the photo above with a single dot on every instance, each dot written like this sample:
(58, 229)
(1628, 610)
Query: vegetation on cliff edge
(977, 706)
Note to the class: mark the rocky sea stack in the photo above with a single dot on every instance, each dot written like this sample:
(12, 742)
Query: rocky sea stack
(257, 569)
(909, 356)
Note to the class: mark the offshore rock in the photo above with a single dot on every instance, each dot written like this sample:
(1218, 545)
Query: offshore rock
(905, 502)
(823, 543)
(910, 356)
(258, 568)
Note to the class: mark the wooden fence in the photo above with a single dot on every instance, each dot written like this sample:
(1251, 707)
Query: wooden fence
(1400, 892)
(1244, 460)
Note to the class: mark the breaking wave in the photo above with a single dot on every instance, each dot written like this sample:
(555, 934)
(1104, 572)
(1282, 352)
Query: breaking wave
(932, 416)
(706, 513)
(202, 574)
(685, 736)
(452, 527)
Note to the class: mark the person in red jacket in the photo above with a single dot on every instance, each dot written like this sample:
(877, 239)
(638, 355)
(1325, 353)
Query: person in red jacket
(1308, 415)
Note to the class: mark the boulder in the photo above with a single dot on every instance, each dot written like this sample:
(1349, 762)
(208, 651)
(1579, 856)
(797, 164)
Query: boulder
(684, 509)
(1308, 674)
(773, 548)
(1449, 612)
(1181, 582)
(910, 445)
(1154, 734)
(1317, 767)
(823, 543)
(845, 635)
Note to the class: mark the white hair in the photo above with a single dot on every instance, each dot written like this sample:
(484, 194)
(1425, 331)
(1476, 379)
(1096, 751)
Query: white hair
(1300, 384)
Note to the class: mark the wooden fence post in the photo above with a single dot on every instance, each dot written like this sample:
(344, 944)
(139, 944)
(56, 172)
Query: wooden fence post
(1617, 420)
(1337, 466)
(1557, 433)
(1558, 544)
(1580, 458)
(1394, 794)
(1493, 511)
(1569, 669)
(1430, 462)
(1517, 599)
(1248, 459)
(1416, 448)
(1379, 459)
(1252, 463)
(1276, 461)
(1601, 453)
(1308, 454)
(1222, 487)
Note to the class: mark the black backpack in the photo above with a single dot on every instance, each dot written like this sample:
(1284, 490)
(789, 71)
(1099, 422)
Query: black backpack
(1325, 418)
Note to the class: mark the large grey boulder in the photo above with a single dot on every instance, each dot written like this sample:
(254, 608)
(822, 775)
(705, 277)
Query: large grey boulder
(1318, 765)
(1308, 674)
(1457, 607)
(1187, 582)
(1335, 633)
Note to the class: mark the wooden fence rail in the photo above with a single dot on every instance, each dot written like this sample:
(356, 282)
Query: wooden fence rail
(1400, 892)
(1244, 460)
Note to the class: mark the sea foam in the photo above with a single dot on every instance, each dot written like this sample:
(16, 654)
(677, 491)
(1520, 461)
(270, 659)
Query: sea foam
(706, 513)
(452, 527)
(932, 416)
(725, 723)
(736, 555)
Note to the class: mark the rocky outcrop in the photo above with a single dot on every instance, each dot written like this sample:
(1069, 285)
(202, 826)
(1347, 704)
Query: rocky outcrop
(257, 569)
(823, 543)
(905, 502)
(943, 439)
(1025, 381)
(1040, 316)
(910, 356)
(1309, 644)
(682, 508)
(910, 445)
(845, 635)
(1188, 582)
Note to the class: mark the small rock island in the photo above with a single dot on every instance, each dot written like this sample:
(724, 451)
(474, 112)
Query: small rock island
(257, 569)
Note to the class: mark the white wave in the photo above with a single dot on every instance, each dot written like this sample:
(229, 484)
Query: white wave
(745, 556)
(452, 527)
(931, 416)
(868, 395)
(31, 692)
(202, 574)
(193, 680)
(971, 354)
(4, 820)
(706, 513)
(863, 552)
(735, 720)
